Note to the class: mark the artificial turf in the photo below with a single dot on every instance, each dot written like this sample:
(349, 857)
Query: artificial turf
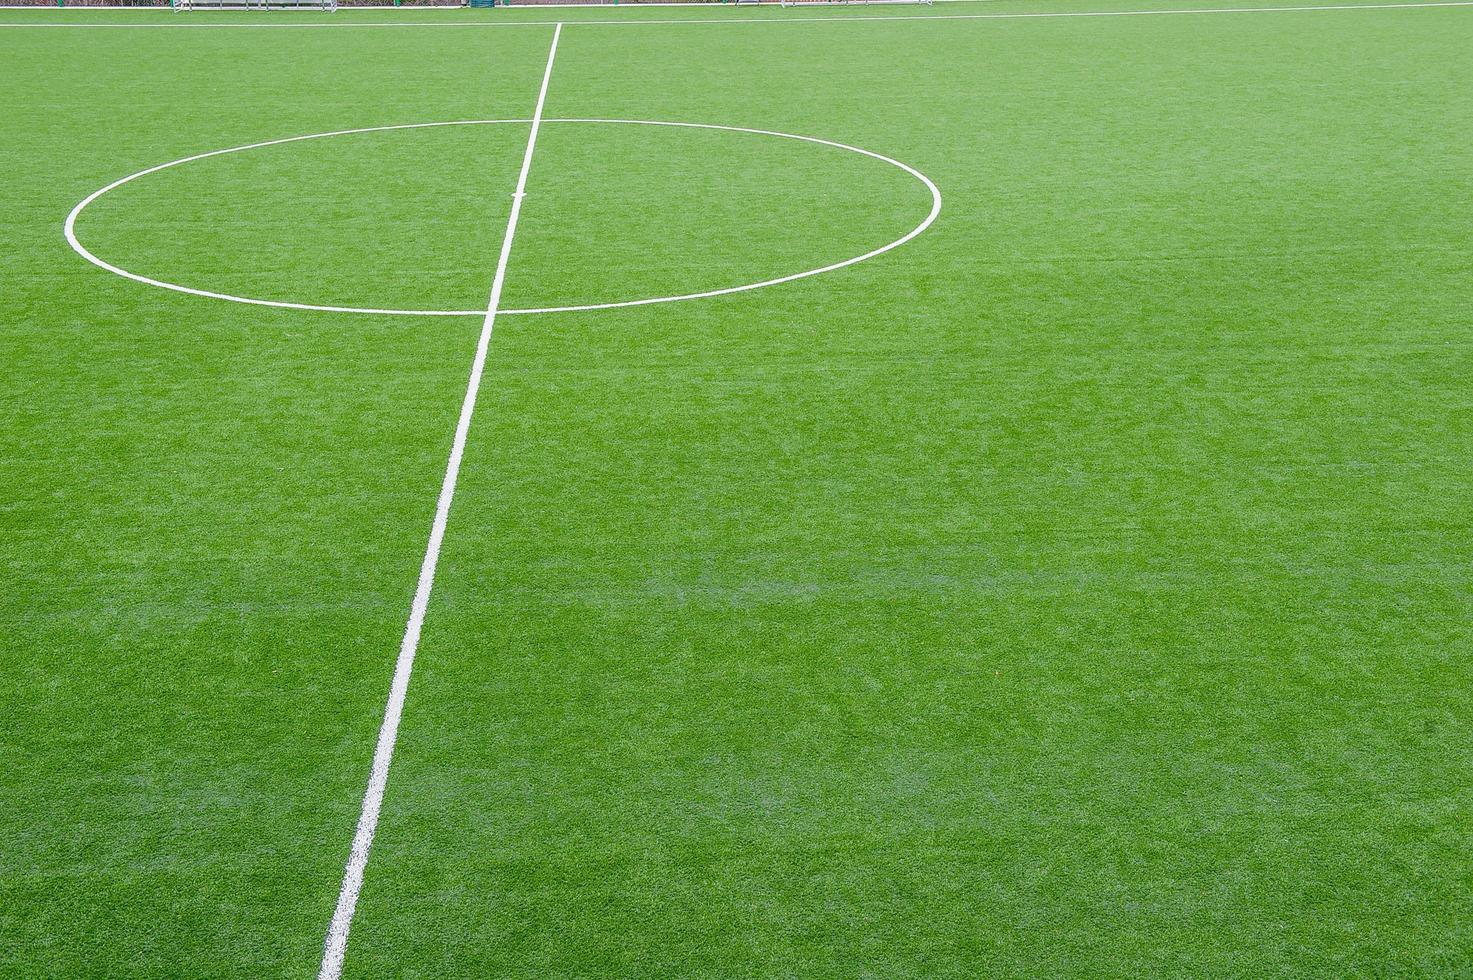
(1082, 588)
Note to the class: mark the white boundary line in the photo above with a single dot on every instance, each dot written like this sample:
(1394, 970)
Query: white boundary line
(779, 19)
(69, 227)
(428, 8)
(335, 946)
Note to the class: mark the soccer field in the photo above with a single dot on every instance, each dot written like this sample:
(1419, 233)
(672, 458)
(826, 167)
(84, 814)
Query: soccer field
(988, 494)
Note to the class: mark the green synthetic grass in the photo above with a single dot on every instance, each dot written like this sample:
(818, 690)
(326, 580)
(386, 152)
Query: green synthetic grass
(1081, 589)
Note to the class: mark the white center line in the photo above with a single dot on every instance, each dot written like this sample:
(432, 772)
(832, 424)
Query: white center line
(336, 945)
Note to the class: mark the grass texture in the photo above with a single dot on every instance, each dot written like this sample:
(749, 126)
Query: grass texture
(1082, 589)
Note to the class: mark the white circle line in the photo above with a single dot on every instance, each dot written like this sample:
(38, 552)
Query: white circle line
(69, 227)
(71, 224)
(931, 217)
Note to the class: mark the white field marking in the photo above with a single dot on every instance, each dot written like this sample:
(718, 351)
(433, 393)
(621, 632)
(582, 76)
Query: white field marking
(584, 5)
(335, 946)
(71, 236)
(835, 19)
(70, 227)
(926, 223)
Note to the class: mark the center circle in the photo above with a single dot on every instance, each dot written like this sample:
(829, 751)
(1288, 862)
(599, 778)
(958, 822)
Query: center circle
(69, 227)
